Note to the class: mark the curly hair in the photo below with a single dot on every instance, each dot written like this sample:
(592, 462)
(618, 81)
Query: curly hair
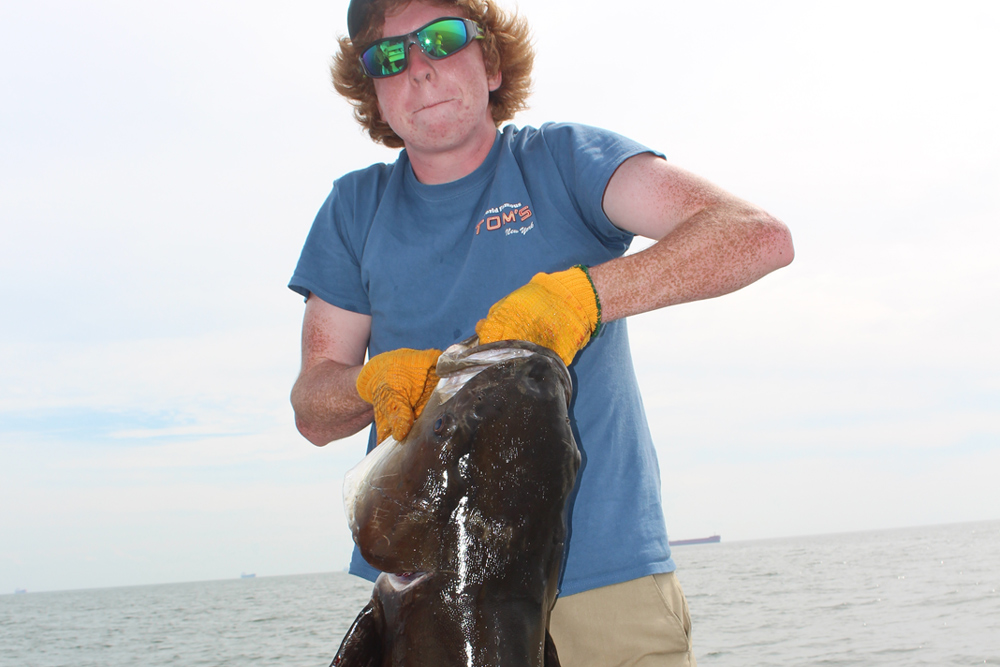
(506, 47)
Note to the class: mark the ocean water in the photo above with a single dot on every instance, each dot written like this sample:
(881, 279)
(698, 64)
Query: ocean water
(904, 597)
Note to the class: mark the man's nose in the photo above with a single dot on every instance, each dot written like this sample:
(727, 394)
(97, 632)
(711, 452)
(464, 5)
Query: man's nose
(420, 67)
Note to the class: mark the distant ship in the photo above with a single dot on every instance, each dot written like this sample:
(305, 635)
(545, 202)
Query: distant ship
(247, 575)
(698, 540)
(19, 591)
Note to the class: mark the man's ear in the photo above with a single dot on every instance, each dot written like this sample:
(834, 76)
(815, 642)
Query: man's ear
(495, 80)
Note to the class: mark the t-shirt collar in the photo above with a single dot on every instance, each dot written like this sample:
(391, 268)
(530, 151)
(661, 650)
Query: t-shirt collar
(482, 174)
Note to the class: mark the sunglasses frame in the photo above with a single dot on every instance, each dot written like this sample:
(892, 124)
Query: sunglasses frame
(472, 33)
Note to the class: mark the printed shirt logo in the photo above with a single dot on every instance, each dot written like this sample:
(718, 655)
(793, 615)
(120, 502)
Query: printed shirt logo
(506, 214)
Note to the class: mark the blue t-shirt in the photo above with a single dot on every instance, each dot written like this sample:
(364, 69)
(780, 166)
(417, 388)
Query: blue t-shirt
(428, 261)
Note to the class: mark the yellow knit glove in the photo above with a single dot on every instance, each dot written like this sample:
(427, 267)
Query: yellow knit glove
(559, 311)
(398, 384)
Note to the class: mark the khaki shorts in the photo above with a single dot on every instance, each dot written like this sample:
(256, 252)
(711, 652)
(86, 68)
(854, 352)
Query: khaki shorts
(638, 623)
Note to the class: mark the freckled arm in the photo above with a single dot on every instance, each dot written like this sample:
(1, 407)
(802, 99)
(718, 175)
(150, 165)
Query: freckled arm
(325, 396)
(709, 243)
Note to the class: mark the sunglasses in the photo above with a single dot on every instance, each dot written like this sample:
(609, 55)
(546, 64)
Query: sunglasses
(438, 39)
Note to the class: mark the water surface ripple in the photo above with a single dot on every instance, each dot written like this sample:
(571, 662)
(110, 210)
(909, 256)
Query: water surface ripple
(905, 597)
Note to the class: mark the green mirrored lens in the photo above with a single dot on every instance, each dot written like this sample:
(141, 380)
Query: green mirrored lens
(385, 58)
(439, 39)
(443, 38)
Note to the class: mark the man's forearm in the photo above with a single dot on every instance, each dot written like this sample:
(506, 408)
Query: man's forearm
(326, 403)
(718, 250)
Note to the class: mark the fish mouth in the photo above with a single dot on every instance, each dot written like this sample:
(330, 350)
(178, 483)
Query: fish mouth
(400, 581)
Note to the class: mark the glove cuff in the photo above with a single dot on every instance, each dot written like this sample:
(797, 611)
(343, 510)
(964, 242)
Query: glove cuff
(576, 286)
(597, 300)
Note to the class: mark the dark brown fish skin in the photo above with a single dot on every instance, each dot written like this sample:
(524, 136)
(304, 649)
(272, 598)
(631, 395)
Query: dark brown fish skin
(470, 516)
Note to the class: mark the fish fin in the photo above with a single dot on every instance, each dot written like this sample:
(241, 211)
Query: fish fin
(362, 646)
(551, 657)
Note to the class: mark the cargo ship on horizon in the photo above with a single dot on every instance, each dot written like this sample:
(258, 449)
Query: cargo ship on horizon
(712, 539)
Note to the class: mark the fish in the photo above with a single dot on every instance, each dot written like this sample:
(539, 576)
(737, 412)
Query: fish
(466, 517)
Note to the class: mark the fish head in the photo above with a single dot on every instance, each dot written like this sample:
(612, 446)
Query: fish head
(485, 471)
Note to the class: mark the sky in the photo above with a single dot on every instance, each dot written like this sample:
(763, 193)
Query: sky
(161, 163)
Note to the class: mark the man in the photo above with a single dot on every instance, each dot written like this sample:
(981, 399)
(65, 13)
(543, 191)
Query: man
(405, 259)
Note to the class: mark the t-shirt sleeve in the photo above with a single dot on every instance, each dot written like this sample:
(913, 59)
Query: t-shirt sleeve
(330, 263)
(586, 158)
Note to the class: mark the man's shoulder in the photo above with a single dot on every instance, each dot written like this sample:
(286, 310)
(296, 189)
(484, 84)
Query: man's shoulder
(562, 137)
(366, 176)
(362, 189)
(552, 128)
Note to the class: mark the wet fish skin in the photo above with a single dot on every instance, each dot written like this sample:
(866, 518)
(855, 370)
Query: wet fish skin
(466, 519)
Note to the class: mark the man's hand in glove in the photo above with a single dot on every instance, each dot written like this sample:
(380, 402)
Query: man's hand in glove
(398, 384)
(559, 311)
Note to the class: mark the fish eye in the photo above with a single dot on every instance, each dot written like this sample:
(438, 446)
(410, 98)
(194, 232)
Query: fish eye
(443, 424)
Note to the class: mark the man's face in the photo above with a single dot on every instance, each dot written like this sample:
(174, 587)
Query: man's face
(436, 105)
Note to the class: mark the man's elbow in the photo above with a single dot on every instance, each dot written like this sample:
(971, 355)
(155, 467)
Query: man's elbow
(778, 243)
(309, 428)
(312, 434)
(321, 434)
